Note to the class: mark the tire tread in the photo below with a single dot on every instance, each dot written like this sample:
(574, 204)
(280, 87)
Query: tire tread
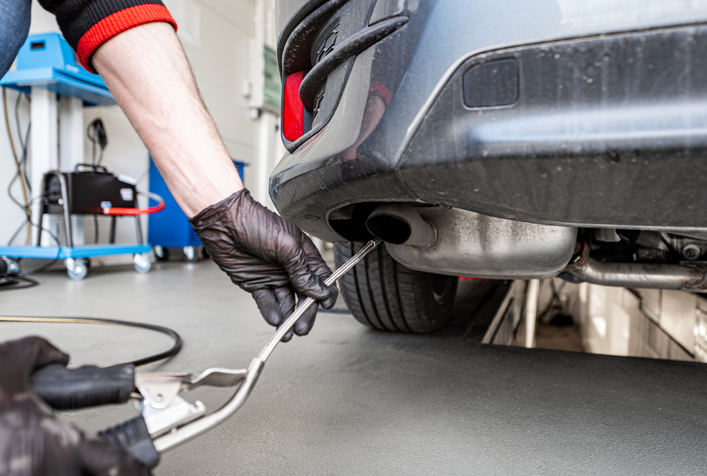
(385, 295)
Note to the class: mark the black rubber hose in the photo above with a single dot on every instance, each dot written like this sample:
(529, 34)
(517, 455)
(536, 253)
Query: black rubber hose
(174, 350)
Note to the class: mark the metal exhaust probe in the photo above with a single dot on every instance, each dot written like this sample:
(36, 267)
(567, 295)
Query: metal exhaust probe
(177, 435)
(167, 420)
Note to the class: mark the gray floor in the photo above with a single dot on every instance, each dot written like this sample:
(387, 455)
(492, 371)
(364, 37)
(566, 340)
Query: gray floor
(347, 400)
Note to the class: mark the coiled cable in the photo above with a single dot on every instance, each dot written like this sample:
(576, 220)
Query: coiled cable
(171, 352)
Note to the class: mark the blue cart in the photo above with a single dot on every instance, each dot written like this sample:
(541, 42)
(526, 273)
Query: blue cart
(171, 228)
(76, 258)
(47, 60)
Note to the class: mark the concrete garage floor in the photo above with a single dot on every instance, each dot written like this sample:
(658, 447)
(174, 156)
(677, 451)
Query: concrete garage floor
(348, 400)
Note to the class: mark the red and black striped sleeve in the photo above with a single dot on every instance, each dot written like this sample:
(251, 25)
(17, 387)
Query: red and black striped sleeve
(87, 24)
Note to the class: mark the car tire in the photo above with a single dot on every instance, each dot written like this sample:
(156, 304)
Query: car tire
(385, 295)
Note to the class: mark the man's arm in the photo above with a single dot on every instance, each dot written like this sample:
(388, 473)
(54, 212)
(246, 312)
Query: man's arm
(134, 46)
(149, 75)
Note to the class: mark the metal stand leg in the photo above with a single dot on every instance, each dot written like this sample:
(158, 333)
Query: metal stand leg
(64, 207)
(138, 229)
(111, 239)
(42, 205)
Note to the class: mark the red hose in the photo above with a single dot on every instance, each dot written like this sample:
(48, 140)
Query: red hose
(132, 211)
(136, 211)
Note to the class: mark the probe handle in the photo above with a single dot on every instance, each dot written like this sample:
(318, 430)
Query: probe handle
(87, 386)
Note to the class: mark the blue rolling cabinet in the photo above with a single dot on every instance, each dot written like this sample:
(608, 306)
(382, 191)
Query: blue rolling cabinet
(171, 228)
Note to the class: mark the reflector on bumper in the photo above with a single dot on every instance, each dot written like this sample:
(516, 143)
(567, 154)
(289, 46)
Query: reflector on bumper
(292, 108)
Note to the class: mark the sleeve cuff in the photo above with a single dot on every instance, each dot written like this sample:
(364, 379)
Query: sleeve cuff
(117, 23)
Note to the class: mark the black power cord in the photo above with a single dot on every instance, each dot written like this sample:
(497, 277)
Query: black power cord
(171, 352)
(8, 283)
(13, 282)
(20, 163)
(96, 133)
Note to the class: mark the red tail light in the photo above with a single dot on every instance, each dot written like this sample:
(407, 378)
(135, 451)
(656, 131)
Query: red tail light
(292, 108)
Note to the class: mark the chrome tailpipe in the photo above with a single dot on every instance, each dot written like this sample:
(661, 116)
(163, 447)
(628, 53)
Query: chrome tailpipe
(400, 224)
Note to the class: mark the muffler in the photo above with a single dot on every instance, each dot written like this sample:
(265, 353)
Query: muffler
(463, 243)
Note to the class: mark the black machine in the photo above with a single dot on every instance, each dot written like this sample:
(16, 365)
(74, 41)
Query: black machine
(90, 189)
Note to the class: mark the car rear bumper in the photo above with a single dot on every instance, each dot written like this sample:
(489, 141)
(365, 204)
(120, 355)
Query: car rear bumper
(605, 130)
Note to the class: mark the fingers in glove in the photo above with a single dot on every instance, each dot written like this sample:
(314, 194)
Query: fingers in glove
(319, 266)
(306, 322)
(19, 358)
(303, 279)
(268, 305)
(314, 258)
(286, 298)
(287, 337)
(275, 304)
(99, 458)
(329, 302)
(37, 352)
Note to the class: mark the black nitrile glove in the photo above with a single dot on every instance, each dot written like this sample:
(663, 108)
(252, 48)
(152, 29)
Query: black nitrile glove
(267, 256)
(33, 441)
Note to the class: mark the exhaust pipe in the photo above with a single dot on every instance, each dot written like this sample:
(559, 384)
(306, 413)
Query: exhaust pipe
(400, 224)
(690, 277)
(458, 242)
(462, 243)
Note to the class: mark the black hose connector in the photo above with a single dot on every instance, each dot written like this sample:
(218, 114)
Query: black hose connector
(87, 386)
(135, 439)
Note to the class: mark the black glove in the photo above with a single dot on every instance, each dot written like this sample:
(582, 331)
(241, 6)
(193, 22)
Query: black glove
(267, 256)
(33, 441)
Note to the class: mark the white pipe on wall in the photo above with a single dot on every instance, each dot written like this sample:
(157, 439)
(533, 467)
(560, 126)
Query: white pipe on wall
(531, 311)
(43, 148)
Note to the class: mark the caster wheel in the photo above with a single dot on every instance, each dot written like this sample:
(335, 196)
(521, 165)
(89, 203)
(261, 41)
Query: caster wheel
(162, 254)
(77, 269)
(190, 254)
(142, 263)
(13, 267)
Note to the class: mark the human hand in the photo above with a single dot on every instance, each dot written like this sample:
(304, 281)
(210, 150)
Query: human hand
(267, 256)
(33, 441)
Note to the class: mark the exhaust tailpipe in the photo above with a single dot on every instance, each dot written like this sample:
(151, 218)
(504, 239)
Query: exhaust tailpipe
(400, 224)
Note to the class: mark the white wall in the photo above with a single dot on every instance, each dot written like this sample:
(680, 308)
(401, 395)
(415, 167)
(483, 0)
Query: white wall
(606, 323)
(215, 35)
